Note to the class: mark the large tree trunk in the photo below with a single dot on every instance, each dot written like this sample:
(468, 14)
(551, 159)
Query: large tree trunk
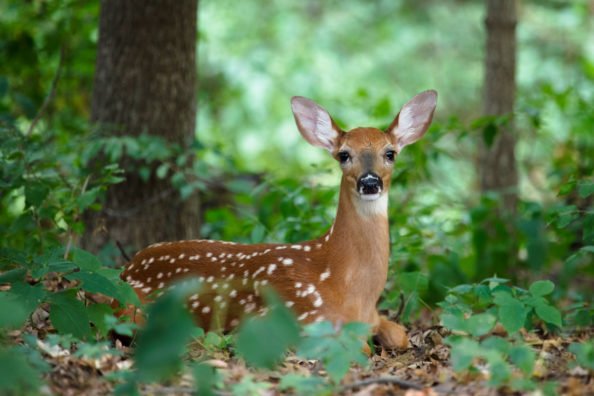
(145, 82)
(498, 172)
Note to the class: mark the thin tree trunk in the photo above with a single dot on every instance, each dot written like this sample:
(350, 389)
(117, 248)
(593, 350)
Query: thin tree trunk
(498, 171)
(145, 82)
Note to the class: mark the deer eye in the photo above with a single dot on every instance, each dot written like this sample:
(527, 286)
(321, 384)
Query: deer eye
(343, 157)
(390, 154)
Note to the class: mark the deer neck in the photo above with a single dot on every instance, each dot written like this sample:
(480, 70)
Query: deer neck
(358, 243)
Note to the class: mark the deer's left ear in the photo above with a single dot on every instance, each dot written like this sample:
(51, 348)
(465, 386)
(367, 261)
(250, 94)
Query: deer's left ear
(414, 119)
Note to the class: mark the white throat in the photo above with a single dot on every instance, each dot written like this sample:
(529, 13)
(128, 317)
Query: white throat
(373, 205)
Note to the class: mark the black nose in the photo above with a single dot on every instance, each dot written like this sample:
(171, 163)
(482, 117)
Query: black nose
(369, 183)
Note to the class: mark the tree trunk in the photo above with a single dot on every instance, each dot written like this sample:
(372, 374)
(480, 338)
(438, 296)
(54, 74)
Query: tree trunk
(145, 82)
(498, 172)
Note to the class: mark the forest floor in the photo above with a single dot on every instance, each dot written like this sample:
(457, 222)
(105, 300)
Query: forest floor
(423, 369)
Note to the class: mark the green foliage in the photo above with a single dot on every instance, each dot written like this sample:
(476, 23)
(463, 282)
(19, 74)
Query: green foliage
(508, 363)
(335, 347)
(263, 341)
(584, 354)
(22, 378)
(472, 311)
(475, 309)
(168, 320)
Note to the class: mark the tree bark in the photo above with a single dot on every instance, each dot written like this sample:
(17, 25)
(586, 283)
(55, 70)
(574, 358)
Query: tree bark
(497, 161)
(145, 82)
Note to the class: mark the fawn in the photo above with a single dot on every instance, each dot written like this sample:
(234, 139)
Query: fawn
(338, 276)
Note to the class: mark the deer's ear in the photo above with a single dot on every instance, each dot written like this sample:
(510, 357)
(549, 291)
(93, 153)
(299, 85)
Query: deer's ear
(315, 124)
(414, 119)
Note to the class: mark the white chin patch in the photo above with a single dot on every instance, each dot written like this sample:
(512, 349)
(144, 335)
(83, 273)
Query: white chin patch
(373, 205)
(370, 197)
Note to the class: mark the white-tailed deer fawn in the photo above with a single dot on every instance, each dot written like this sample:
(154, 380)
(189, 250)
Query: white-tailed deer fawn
(338, 276)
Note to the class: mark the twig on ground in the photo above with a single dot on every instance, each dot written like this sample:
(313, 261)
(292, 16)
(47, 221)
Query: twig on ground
(387, 380)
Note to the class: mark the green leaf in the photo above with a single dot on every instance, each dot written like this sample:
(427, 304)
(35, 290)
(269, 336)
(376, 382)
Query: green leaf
(464, 351)
(206, 378)
(584, 354)
(14, 275)
(69, 315)
(87, 198)
(542, 288)
(35, 193)
(454, 322)
(262, 341)
(85, 260)
(549, 314)
(409, 282)
(511, 311)
(97, 315)
(523, 357)
(95, 283)
(30, 296)
(9, 303)
(480, 324)
(18, 376)
(512, 315)
(162, 342)
(585, 188)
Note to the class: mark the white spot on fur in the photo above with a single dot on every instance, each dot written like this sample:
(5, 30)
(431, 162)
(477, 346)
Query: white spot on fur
(205, 310)
(233, 293)
(147, 289)
(210, 279)
(298, 285)
(181, 256)
(325, 275)
(307, 248)
(271, 269)
(303, 316)
(159, 275)
(261, 269)
(289, 304)
(195, 304)
(296, 247)
(318, 301)
(288, 261)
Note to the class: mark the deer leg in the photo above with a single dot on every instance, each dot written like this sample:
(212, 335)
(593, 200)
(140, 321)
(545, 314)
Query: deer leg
(390, 335)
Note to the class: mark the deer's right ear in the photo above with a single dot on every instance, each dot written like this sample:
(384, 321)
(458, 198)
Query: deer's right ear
(314, 123)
